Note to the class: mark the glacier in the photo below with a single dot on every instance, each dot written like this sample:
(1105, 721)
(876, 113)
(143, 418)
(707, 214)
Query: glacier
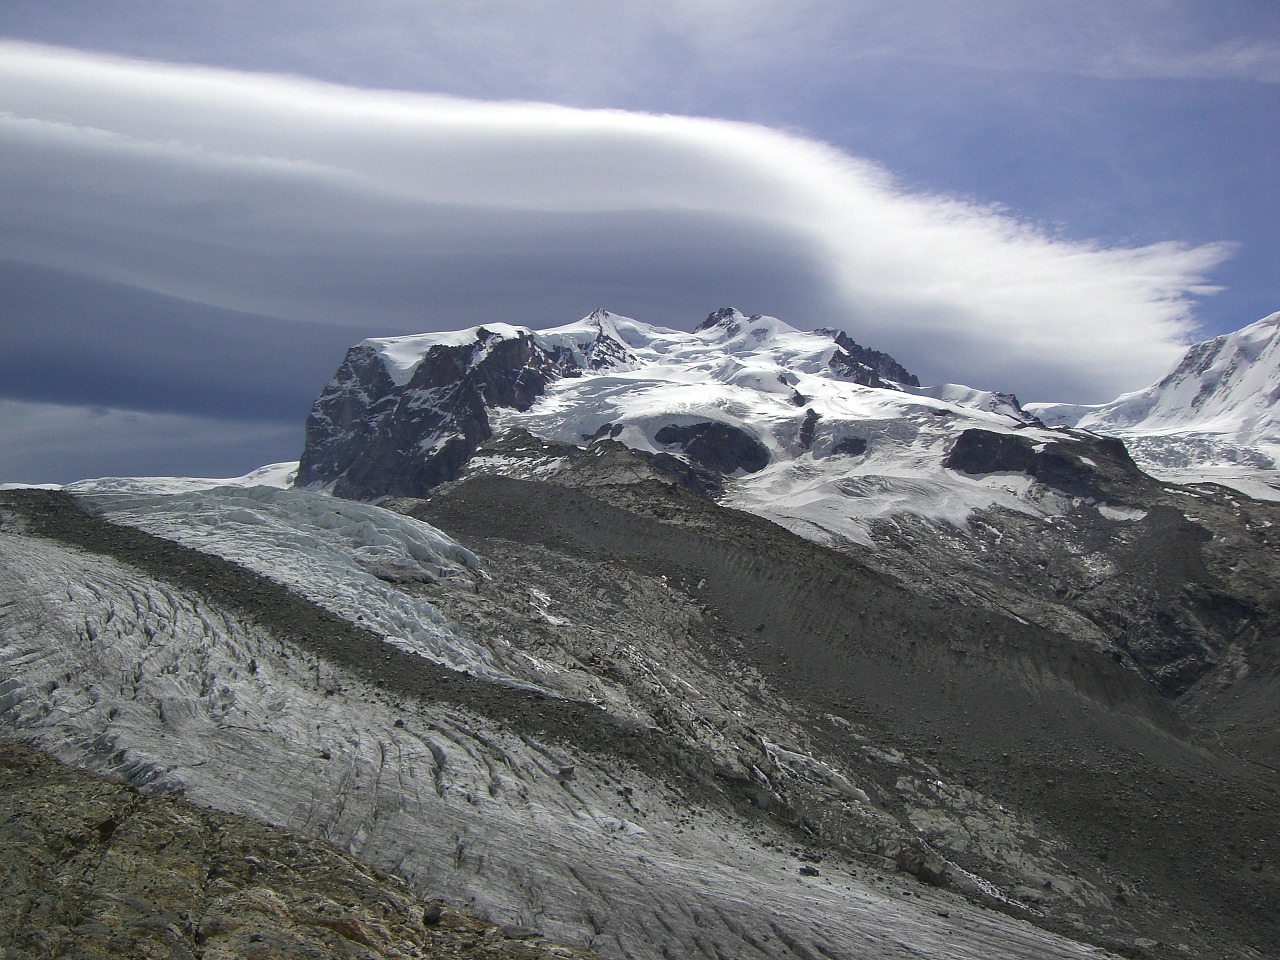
(126, 673)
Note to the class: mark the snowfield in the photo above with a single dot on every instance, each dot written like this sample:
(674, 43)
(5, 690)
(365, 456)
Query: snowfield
(763, 377)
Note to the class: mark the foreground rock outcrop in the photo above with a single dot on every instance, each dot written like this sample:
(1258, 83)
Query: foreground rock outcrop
(91, 868)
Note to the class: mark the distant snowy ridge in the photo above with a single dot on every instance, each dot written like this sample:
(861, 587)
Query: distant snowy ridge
(1215, 416)
(278, 475)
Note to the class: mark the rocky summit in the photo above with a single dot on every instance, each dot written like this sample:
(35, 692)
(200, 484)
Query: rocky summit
(403, 415)
(736, 642)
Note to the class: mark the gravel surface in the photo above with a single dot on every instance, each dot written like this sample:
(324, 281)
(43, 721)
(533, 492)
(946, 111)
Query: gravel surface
(1170, 826)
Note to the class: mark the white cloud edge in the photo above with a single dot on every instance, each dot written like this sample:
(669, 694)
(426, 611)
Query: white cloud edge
(897, 258)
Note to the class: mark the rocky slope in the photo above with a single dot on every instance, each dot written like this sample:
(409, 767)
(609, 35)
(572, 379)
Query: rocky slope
(93, 868)
(1008, 713)
(714, 738)
(811, 432)
(182, 672)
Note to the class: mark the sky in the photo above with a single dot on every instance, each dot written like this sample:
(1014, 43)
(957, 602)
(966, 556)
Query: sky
(202, 205)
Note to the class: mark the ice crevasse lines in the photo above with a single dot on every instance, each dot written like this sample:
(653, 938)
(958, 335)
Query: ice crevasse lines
(346, 557)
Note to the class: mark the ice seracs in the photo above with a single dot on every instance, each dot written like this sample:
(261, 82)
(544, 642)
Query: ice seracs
(349, 558)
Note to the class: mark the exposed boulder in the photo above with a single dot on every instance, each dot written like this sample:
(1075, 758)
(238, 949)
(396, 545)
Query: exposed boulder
(1079, 465)
(925, 867)
(807, 428)
(717, 446)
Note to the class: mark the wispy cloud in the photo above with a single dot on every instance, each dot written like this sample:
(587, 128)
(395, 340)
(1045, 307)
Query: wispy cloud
(683, 54)
(1111, 39)
(328, 204)
(1239, 58)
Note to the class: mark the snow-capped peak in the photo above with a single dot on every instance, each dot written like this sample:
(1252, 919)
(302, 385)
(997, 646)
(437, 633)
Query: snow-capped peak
(1229, 380)
(800, 427)
(737, 333)
(1229, 385)
(400, 356)
(726, 320)
(1217, 410)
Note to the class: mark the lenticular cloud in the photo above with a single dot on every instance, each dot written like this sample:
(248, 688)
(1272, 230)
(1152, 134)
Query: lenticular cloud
(288, 197)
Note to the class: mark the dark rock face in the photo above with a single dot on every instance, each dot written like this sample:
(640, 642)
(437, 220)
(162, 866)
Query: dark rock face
(870, 368)
(808, 427)
(980, 451)
(849, 447)
(1176, 589)
(717, 446)
(369, 437)
(1097, 468)
(724, 317)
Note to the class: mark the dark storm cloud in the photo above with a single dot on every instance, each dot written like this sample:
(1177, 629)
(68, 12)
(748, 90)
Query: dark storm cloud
(77, 340)
(61, 443)
(215, 240)
(312, 202)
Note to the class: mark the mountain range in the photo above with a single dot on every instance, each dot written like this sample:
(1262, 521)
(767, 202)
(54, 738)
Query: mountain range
(808, 429)
(729, 642)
